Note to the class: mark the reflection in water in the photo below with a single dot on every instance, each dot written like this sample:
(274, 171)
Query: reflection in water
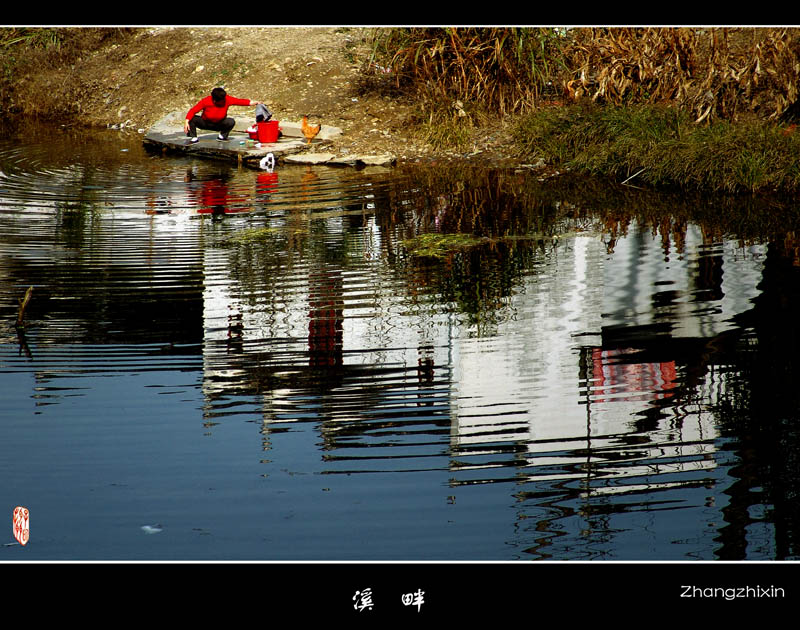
(591, 381)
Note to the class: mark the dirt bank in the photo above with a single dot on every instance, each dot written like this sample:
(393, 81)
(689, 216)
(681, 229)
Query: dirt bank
(139, 75)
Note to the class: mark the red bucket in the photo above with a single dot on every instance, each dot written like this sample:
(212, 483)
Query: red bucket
(268, 131)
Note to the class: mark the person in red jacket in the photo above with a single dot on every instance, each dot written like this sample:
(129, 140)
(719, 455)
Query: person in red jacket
(214, 114)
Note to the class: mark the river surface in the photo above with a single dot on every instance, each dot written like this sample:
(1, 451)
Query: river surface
(220, 363)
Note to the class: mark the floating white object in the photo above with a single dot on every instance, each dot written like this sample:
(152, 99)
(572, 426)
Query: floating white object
(151, 529)
(267, 162)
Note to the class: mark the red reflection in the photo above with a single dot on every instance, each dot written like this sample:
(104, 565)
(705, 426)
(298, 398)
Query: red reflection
(216, 198)
(266, 183)
(621, 381)
(325, 318)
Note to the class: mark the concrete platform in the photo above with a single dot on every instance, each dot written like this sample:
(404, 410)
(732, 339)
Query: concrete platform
(167, 135)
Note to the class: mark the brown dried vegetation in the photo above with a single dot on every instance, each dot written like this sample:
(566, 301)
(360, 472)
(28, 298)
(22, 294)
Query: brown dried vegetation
(505, 69)
(714, 73)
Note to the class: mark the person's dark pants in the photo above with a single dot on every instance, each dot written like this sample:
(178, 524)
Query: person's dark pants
(224, 126)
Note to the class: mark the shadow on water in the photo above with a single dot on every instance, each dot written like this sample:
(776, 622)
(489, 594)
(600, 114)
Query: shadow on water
(423, 362)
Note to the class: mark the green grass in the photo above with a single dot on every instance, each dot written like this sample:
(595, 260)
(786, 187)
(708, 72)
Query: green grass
(659, 146)
(34, 37)
(436, 245)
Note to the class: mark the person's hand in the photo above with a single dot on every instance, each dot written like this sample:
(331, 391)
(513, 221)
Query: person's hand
(185, 126)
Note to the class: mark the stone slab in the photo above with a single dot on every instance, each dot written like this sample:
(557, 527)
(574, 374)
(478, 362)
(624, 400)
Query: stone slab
(331, 159)
(167, 134)
(310, 158)
(385, 159)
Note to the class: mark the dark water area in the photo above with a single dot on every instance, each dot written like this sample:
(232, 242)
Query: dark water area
(220, 363)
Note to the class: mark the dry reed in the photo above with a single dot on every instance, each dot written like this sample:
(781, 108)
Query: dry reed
(716, 73)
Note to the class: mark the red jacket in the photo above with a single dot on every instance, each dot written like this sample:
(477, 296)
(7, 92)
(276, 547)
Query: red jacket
(213, 113)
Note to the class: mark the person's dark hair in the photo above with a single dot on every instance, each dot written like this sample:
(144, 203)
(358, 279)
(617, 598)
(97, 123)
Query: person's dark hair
(218, 95)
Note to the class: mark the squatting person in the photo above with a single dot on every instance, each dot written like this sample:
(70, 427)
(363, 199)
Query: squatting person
(214, 114)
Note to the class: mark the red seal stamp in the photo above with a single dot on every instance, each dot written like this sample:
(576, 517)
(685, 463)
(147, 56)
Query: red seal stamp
(21, 524)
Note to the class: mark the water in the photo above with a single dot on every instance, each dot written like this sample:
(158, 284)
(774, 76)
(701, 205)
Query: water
(225, 364)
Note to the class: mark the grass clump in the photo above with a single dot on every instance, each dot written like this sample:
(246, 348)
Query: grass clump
(462, 76)
(504, 68)
(661, 146)
(437, 245)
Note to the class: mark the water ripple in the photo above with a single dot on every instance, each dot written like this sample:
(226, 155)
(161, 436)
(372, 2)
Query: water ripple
(576, 381)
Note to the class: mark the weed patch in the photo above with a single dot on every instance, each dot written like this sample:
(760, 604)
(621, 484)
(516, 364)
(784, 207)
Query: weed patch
(661, 146)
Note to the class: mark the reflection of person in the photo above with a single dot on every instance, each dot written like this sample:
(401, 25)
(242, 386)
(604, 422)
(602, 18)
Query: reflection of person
(214, 114)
